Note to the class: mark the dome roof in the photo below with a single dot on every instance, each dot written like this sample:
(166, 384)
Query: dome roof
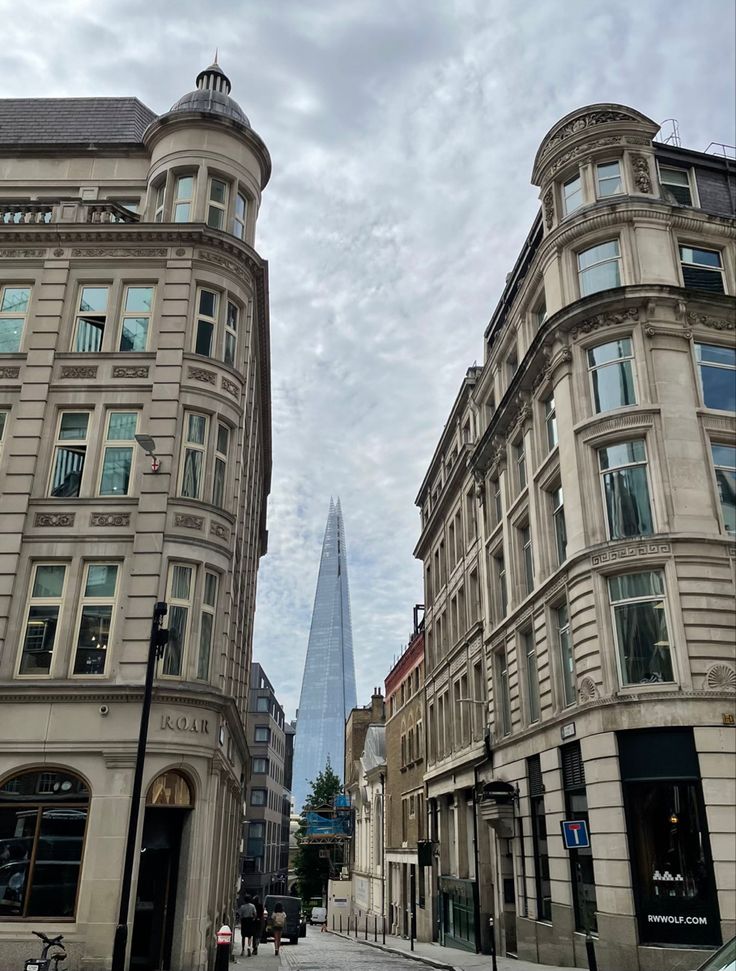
(212, 96)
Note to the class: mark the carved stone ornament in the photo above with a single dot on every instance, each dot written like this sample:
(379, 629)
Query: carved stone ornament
(607, 319)
(588, 690)
(130, 371)
(720, 677)
(181, 251)
(109, 519)
(563, 160)
(9, 373)
(201, 374)
(54, 519)
(58, 252)
(22, 254)
(624, 552)
(105, 252)
(219, 260)
(705, 320)
(230, 386)
(642, 179)
(549, 207)
(221, 532)
(591, 120)
(187, 521)
(87, 372)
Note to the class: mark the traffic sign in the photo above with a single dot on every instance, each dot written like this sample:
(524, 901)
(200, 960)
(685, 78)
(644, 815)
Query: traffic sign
(575, 834)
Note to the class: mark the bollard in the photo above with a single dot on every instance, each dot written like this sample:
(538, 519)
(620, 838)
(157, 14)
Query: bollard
(375, 928)
(333, 920)
(366, 926)
(383, 926)
(222, 953)
(356, 926)
(494, 966)
(590, 951)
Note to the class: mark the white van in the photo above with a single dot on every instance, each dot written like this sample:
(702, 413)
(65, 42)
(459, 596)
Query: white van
(319, 915)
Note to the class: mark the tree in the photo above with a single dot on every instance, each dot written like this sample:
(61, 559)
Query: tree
(313, 871)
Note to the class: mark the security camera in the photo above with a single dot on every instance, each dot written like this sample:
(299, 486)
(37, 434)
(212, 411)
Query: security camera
(104, 710)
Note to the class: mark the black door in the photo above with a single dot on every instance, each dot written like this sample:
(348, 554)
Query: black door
(155, 905)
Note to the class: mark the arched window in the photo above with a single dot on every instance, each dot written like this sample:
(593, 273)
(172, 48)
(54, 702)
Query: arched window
(170, 789)
(43, 815)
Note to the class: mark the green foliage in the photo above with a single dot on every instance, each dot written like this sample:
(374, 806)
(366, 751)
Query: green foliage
(313, 871)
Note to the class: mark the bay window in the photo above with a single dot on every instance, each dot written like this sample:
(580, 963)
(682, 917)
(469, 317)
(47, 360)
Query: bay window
(70, 453)
(241, 209)
(206, 625)
(42, 618)
(158, 204)
(599, 268)
(180, 594)
(219, 480)
(95, 619)
(231, 334)
(206, 322)
(194, 456)
(638, 606)
(624, 476)
(217, 205)
(611, 368)
(14, 302)
(183, 197)
(117, 459)
(608, 179)
(717, 370)
(572, 194)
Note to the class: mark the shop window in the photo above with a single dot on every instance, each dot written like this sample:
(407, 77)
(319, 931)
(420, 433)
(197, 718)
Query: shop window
(608, 179)
(717, 369)
(539, 839)
(567, 660)
(95, 620)
(669, 846)
(117, 457)
(624, 475)
(611, 368)
(207, 625)
(701, 269)
(42, 618)
(581, 860)
(572, 194)
(181, 591)
(90, 320)
(724, 463)
(13, 311)
(183, 196)
(640, 625)
(676, 185)
(43, 817)
(136, 323)
(70, 453)
(599, 268)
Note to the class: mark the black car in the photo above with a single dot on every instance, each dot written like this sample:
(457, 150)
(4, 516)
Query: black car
(296, 924)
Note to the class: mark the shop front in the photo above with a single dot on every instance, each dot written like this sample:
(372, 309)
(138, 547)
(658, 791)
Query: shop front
(458, 907)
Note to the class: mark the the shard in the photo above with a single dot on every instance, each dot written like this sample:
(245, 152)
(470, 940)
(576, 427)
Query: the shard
(328, 685)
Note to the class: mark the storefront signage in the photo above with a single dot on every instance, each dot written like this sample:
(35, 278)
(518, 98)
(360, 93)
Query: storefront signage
(185, 723)
(575, 834)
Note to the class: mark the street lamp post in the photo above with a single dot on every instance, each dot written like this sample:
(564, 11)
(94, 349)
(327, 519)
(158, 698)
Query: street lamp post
(156, 643)
(383, 855)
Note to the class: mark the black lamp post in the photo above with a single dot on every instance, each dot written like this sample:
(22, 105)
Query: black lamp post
(156, 644)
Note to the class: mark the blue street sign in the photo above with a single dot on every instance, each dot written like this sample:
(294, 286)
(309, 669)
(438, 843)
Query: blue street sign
(575, 834)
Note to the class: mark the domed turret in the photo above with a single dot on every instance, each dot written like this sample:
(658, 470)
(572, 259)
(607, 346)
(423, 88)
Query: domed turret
(212, 96)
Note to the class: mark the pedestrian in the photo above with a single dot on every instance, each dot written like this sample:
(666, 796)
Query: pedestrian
(247, 915)
(278, 922)
(259, 924)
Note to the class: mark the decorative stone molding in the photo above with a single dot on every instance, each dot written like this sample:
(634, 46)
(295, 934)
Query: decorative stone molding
(642, 179)
(129, 371)
(201, 374)
(624, 552)
(223, 261)
(230, 386)
(720, 677)
(582, 123)
(188, 521)
(588, 690)
(22, 254)
(220, 531)
(9, 373)
(103, 252)
(606, 319)
(705, 320)
(549, 207)
(181, 251)
(58, 251)
(54, 519)
(87, 372)
(637, 419)
(570, 156)
(109, 519)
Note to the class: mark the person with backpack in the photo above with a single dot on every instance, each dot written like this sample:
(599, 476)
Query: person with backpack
(247, 915)
(278, 922)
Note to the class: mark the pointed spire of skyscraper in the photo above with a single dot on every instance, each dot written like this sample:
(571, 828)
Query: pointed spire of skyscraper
(328, 686)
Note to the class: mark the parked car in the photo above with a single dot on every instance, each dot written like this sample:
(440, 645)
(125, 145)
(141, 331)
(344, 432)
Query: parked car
(318, 915)
(294, 919)
(723, 960)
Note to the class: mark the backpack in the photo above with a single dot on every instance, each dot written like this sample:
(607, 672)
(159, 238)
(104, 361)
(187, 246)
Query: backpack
(278, 920)
(247, 911)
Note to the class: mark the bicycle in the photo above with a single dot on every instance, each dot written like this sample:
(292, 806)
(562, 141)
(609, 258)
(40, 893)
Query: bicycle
(44, 962)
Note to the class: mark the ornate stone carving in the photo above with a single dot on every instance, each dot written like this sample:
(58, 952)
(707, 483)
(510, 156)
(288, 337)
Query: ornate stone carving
(219, 260)
(720, 677)
(607, 319)
(181, 251)
(705, 320)
(642, 179)
(220, 531)
(591, 120)
(622, 553)
(87, 372)
(22, 254)
(638, 419)
(58, 252)
(549, 207)
(130, 371)
(103, 252)
(53, 519)
(588, 690)
(563, 160)
(230, 386)
(109, 519)
(201, 374)
(188, 521)
(9, 373)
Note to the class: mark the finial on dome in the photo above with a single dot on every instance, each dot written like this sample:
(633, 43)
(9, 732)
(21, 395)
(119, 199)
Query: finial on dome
(215, 60)
(213, 78)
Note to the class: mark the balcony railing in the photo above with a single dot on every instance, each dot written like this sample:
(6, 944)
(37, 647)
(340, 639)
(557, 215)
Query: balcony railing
(19, 212)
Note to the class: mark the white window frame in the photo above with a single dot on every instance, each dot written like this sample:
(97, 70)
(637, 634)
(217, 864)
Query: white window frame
(599, 179)
(704, 267)
(239, 223)
(181, 200)
(668, 622)
(13, 314)
(221, 460)
(100, 316)
(692, 186)
(550, 423)
(159, 201)
(117, 443)
(562, 630)
(212, 319)
(184, 604)
(62, 443)
(558, 509)
(213, 206)
(88, 601)
(527, 557)
(502, 692)
(188, 445)
(4, 421)
(32, 601)
(566, 209)
(628, 465)
(615, 362)
(126, 314)
(700, 364)
(230, 342)
(209, 609)
(617, 259)
(728, 468)
(531, 667)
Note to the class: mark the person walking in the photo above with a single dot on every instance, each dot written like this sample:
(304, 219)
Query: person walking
(247, 914)
(258, 932)
(278, 922)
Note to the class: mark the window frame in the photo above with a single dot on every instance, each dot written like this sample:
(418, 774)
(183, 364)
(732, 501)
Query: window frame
(638, 463)
(565, 196)
(618, 362)
(4, 422)
(703, 267)
(184, 604)
(159, 200)
(692, 184)
(502, 687)
(14, 315)
(599, 180)
(261, 741)
(85, 600)
(213, 204)
(237, 220)
(230, 334)
(531, 667)
(527, 556)
(210, 610)
(663, 598)
(126, 314)
(558, 515)
(187, 201)
(102, 317)
(617, 259)
(552, 436)
(700, 364)
(563, 652)
(731, 532)
(212, 319)
(58, 602)
(200, 448)
(108, 443)
(220, 460)
(59, 444)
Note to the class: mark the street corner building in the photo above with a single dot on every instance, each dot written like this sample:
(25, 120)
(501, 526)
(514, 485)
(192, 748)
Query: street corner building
(135, 460)
(328, 684)
(578, 521)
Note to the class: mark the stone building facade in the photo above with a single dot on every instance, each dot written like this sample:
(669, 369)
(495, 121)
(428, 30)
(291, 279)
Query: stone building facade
(268, 796)
(603, 453)
(132, 304)
(407, 896)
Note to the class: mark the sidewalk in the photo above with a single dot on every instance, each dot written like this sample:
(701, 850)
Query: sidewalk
(435, 955)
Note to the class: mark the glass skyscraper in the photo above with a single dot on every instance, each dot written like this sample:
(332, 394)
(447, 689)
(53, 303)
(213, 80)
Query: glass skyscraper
(328, 685)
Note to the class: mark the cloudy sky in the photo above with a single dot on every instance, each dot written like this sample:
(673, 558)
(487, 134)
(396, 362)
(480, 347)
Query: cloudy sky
(402, 134)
